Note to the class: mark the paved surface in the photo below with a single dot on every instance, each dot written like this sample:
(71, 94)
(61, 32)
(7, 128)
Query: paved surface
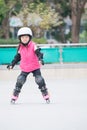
(51, 71)
(68, 94)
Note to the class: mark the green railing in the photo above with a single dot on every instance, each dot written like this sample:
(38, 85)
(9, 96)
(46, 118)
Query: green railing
(59, 53)
(7, 54)
(74, 54)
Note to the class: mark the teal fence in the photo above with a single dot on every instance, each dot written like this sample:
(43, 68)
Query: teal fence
(6, 55)
(74, 54)
(52, 54)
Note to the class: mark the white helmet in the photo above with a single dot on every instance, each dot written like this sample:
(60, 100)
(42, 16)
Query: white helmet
(24, 31)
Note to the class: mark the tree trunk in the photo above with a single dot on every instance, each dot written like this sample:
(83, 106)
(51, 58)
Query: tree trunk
(5, 27)
(75, 28)
(77, 8)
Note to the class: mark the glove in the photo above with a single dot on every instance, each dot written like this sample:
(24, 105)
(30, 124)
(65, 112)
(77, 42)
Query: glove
(9, 66)
(42, 62)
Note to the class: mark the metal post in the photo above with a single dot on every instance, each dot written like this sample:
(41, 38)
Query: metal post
(61, 57)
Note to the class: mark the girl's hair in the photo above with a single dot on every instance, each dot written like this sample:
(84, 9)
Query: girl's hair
(18, 47)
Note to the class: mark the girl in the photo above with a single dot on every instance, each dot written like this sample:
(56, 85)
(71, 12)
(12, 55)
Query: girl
(29, 56)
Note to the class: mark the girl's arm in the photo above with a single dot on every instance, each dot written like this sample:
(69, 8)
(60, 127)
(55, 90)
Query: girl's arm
(16, 59)
(39, 55)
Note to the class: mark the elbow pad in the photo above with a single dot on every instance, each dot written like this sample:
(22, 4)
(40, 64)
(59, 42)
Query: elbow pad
(39, 54)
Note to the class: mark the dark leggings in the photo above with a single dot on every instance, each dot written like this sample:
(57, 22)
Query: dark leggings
(23, 76)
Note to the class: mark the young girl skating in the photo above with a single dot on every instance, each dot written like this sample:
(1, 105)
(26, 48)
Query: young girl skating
(30, 59)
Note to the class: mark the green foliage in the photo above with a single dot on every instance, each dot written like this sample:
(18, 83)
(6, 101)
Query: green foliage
(66, 9)
(49, 17)
(83, 37)
(3, 10)
(7, 6)
(8, 41)
(40, 40)
(16, 41)
(17, 8)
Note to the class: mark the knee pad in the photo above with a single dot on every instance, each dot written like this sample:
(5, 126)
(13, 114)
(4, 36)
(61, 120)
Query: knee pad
(17, 90)
(21, 79)
(40, 81)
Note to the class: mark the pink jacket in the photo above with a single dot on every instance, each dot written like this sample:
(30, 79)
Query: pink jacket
(29, 60)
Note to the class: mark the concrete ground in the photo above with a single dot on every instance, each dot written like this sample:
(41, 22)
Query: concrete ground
(67, 85)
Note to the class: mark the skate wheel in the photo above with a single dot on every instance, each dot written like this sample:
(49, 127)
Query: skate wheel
(12, 101)
(47, 101)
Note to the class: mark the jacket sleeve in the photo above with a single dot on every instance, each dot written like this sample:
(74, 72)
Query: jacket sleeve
(16, 59)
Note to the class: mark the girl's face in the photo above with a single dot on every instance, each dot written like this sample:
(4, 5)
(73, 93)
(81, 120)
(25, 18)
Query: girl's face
(25, 39)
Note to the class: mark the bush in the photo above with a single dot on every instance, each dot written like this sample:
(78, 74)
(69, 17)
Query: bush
(83, 37)
(40, 40)
(16, 41)
(9, 41)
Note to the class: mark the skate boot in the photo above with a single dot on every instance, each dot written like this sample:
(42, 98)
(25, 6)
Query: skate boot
(45, 95)
(14, 96)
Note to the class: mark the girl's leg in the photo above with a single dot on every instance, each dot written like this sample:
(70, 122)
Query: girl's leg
(41, 83)
(20, 81)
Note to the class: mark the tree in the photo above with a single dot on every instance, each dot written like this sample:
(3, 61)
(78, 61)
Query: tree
(25, 12)
(59, 7)
(39, 16)
(7, 5)
(77, 9)
(3, 11)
